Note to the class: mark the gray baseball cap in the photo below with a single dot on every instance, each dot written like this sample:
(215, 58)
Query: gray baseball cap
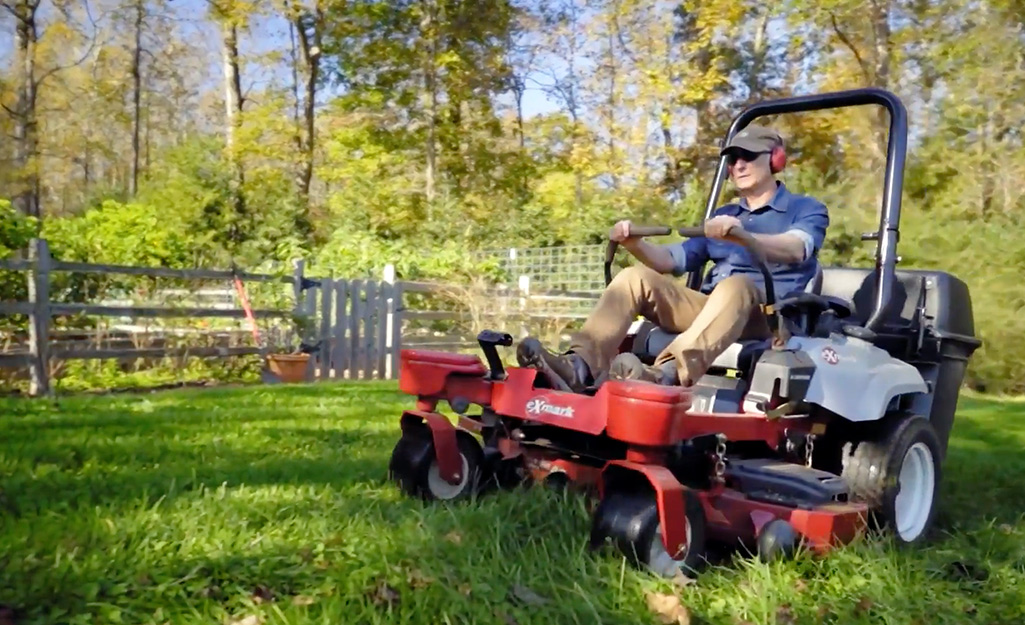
(755, 139)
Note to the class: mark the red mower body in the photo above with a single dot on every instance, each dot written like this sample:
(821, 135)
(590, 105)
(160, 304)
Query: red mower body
(641, 422)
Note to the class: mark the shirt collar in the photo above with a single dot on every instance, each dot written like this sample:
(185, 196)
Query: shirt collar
(779, 202)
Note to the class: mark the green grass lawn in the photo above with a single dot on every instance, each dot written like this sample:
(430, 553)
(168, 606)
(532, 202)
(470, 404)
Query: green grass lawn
(269, 505)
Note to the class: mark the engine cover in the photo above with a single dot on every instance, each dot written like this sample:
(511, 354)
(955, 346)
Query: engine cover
(785, 373)
(717, 394)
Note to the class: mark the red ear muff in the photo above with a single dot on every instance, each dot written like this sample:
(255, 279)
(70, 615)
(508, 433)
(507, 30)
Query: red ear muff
(777, 159)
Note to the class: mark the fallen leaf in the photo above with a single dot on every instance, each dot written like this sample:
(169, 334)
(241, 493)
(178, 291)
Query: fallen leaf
(785, 615)
(454, 537)
(864, 605)
(261, 593)
(668, 608)
(801, 585)
(528, 596)
(465, 589)
(417, 579)
(1007, 529)
(302, 600)
(682, 580)
(251, 619)
(385, 594)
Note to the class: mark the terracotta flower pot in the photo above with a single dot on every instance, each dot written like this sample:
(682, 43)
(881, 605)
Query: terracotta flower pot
(288, 367)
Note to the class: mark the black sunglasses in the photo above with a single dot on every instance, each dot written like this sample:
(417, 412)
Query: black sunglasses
(741, 154)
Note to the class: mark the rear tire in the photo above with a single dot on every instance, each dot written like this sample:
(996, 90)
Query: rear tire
(898, 474)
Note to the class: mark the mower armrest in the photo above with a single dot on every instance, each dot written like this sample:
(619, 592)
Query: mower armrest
(810, 301)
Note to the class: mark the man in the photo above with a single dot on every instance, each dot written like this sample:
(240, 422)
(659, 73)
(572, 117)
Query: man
(790, 228)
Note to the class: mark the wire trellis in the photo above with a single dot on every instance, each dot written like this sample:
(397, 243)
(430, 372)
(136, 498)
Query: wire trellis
(558, 268)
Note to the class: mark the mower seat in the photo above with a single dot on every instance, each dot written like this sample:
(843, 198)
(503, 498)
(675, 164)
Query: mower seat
(740, 356)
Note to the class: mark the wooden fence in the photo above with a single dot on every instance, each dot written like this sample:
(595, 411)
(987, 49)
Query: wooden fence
(354, 327)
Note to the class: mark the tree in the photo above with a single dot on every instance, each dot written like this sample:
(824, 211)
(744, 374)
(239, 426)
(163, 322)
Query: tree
(26, 140)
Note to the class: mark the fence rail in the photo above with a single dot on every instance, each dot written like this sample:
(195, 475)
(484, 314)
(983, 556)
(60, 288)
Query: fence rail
(354, 328)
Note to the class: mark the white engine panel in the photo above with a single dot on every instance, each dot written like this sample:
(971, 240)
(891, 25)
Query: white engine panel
(854, 378)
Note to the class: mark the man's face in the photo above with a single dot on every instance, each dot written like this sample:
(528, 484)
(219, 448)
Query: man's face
(748, 170)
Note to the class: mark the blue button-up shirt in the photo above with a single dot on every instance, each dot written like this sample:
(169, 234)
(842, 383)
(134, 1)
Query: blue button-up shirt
(788, 212)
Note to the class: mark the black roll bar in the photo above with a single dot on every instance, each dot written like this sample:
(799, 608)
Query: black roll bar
(893, 183)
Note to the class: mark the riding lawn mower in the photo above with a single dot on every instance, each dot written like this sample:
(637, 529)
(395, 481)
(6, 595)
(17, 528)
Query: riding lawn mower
(837, 424)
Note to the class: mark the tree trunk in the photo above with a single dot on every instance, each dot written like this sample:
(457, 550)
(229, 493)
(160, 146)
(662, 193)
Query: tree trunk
(610, 114)
(882, 55)
(233, 113)
(136, 96)
(758, 52)
(310, 48)
(428, 24)
(519, 91)
(26, 138)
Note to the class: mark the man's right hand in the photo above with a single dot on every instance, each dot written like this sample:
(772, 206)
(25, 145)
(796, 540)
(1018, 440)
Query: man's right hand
(621, 231)
(656, 257)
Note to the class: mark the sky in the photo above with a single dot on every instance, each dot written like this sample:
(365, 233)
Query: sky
(191, 17)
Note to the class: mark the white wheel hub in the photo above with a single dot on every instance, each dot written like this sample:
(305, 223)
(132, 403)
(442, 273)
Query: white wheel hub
(659, 559)
(442, 489)
(914, 499)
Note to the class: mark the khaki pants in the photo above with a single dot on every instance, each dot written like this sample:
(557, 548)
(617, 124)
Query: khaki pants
(708, 323)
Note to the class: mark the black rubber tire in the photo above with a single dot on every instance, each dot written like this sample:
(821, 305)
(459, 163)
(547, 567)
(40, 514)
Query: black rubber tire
(413, 461)
(872, 470)
(631, 520)
(410, 458)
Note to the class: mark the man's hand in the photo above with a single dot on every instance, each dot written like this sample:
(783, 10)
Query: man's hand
(656, 257)
(718, 227)
(621, 231)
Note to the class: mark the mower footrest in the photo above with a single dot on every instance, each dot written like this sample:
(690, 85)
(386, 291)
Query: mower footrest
(786, 483)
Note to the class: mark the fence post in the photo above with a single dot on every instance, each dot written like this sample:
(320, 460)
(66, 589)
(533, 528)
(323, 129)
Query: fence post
(524, 296)
(39, 322)
(298, 266)
(326, 317)
(388, 353)
(395, 329)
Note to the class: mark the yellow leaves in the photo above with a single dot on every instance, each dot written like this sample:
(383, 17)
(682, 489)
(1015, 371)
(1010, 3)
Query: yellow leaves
(237, 12)
(668, 608)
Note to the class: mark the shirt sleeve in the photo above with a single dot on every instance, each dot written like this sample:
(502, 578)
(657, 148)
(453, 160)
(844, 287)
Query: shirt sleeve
(810, 226)
(688, 255)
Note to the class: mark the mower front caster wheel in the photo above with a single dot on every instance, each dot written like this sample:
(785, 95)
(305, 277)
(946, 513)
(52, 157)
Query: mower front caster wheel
(631, 520)
(414, 467)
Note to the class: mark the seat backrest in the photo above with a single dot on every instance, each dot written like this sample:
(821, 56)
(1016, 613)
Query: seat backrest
(947, 299)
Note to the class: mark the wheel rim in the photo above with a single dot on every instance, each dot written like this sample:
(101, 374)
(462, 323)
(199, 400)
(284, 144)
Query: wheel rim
(914, 500)
(442, 489)
(659, 559)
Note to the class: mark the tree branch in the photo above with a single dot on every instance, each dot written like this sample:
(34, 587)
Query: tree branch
(92, 45)
(850, 45)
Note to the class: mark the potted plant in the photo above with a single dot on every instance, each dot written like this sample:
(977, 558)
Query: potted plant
(292, 366)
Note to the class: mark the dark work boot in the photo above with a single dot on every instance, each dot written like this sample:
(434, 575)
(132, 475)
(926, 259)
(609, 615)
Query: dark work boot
(628, 366)
(566, 372)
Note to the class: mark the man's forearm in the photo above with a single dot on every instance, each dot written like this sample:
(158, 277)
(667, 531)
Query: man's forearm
(781, 248)
(656, 257)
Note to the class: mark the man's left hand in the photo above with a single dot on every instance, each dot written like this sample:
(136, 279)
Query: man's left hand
(719, 227)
